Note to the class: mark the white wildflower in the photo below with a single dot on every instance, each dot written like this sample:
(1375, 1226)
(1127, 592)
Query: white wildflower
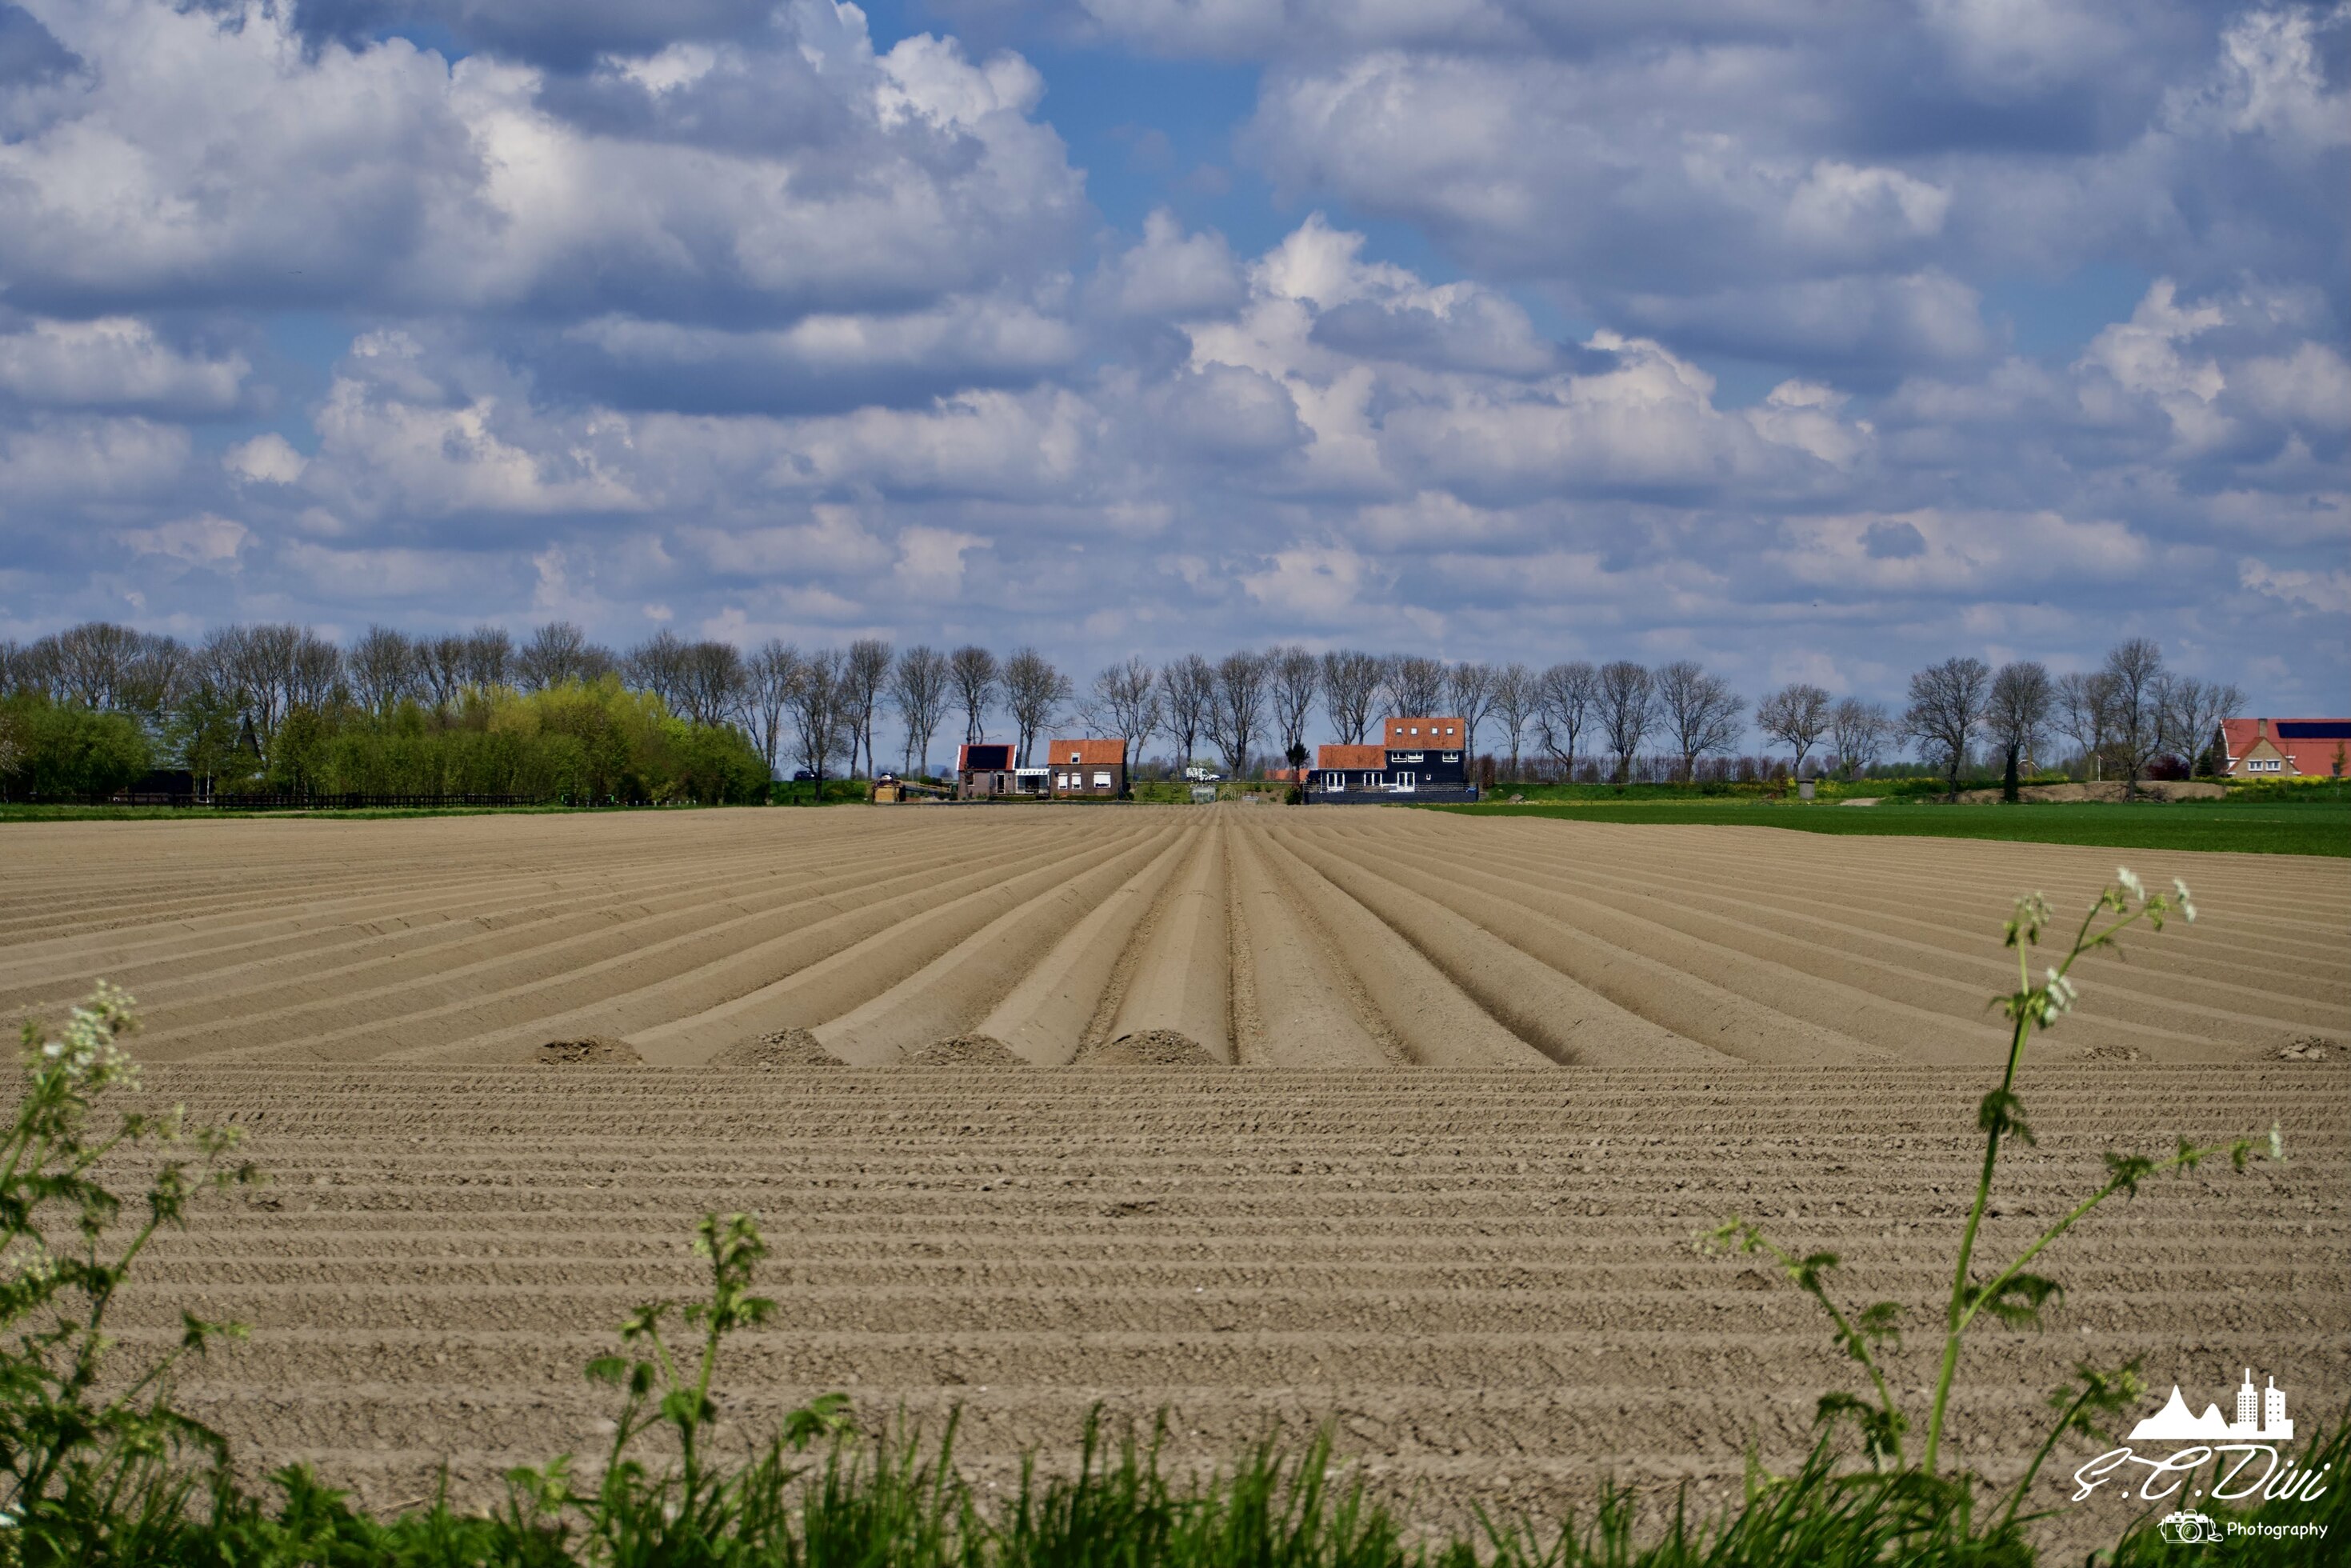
(2062, 992)
(2179, 892)
(2129, 879)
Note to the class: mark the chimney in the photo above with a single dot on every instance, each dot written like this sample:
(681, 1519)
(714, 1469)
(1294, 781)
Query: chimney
(2261, 728)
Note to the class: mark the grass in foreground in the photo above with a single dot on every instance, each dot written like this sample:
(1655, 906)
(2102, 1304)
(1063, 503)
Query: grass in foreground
(2273, 828)
(97, 1466)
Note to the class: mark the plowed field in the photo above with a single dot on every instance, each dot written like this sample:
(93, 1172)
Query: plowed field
(1482, 1274)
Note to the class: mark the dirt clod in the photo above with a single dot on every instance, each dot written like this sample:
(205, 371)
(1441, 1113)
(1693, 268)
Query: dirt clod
(784, 1048)
(967, 1050)
(2309, 1048)
(1147, 1047)
(2111, 1052)
(595, 1050)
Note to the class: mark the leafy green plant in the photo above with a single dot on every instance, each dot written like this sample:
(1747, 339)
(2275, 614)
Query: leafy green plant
(2012, 1293)
(83, 1458)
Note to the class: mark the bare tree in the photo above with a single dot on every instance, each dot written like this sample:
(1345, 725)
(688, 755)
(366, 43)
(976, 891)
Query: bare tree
(1625, 701)
(918, 689)
(770, 674)
(1415, 686)
(382, 669)
(559, 652)
(1294, 679)
(314, 668)
(1567, 696)
(1795, 715)
(820, 726)
(440, 669)
(94, 662)
(1701, 712)
(2084, 707)
(1350, 689)
(657, 666)
(1860, 732)
(1947, 703)
(1517, 700)
(2136, 713)
(2196, 709)
(710, 681)
(1469, 693)
(972, 670)
(867, 673)
(1033, 693)
(489, 657)
(1126, 700)
(1238, 708)
(2022, 694)
(1189, 686)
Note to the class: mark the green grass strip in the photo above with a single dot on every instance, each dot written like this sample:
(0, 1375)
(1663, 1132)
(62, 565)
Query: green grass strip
(2297, 828)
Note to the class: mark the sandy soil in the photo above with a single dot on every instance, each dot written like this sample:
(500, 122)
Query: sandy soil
(1334, 937)
(1482, 1274)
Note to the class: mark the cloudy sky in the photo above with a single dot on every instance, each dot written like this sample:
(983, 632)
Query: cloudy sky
(1813, 339)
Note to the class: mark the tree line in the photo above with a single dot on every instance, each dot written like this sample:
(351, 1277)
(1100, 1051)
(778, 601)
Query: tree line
(820, 710)
(280, 709)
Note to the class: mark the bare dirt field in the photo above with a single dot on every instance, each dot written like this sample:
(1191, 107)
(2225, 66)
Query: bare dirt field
(1399, 1214)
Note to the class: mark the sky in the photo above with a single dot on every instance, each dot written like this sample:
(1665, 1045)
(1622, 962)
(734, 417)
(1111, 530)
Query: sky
(1813, 340)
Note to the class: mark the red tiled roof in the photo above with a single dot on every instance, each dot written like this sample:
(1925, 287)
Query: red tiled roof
(1088, 753)
(2308, 745)
(1416, 734)
(1351, 757)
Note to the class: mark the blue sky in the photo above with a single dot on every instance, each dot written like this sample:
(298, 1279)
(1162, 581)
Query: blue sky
(1815, 340)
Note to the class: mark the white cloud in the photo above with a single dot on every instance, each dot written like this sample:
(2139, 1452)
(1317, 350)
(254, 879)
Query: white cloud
(204, 540)
(115, 361)
(268, 458)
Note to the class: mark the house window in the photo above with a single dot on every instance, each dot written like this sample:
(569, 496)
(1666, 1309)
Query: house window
(1074, 758)
(1452, 757)
(1102, 780)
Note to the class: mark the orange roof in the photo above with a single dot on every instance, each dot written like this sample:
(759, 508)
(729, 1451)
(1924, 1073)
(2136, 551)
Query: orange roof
(1351, 757)
(1418, 734)
(1086, 753)
(2308, 745)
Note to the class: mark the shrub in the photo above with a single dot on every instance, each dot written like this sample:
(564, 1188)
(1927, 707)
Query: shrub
(51, 749)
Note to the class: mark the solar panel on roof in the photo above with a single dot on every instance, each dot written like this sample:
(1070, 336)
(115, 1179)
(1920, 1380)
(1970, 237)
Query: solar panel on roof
(2315, 729)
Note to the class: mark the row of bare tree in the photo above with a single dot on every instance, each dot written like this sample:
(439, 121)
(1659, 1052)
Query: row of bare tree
(2127, 715)
(824, 707)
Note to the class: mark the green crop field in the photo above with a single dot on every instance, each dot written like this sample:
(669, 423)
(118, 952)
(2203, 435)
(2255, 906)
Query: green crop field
(2272, 827)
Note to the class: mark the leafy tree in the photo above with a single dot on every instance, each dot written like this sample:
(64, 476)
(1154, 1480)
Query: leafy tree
(56, 748)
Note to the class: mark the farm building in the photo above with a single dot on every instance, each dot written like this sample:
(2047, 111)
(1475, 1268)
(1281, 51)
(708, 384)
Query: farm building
(986, 771)
(2285, 747)
(1422, 757)
(1088, 767)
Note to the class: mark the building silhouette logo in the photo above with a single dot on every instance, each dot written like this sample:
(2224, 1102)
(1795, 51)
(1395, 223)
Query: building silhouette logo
(2261, 1418)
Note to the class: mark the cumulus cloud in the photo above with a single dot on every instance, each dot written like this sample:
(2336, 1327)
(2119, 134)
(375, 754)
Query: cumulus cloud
(1718, 335)
(115, 361)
